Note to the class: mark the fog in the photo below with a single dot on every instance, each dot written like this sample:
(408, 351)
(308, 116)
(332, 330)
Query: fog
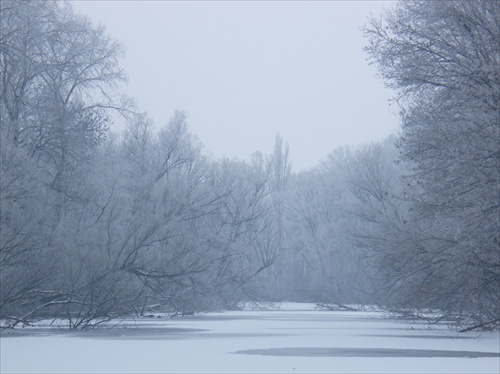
(103, 229)
(244, 71)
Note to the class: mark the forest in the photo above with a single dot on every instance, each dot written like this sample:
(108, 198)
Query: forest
(97, 225)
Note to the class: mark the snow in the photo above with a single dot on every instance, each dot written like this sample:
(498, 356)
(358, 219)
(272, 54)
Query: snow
(292, 339)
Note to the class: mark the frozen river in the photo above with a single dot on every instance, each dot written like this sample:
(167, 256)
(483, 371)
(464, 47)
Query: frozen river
(294, 340)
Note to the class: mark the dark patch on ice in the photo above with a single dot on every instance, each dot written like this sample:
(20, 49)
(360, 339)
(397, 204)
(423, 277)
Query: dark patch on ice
(135, 333)
(139, 333)
(364, 352)
(448, 337)
(165, 334)
(340, 328)
(107, 332)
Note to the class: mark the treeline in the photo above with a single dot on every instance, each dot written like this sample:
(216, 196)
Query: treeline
(96, 226)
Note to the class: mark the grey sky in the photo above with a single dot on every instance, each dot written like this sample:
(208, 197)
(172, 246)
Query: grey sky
(247, 70)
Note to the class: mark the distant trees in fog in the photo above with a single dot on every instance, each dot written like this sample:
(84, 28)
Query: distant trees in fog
(96, 225)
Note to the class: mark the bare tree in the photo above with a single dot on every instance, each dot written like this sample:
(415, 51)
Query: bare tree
(442, 58)
(58, 75)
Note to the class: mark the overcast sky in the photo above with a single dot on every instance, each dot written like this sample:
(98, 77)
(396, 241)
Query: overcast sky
(245, 71)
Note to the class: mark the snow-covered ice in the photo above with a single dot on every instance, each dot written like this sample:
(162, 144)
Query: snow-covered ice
(294, 339)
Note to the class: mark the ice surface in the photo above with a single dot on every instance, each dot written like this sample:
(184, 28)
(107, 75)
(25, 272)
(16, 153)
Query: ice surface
(293, 339)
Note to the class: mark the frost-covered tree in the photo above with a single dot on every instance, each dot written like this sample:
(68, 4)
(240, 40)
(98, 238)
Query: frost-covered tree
(57, 78)
(322, 261)
(58, 74)
(382, 228)
(442, 59)
(274, 236)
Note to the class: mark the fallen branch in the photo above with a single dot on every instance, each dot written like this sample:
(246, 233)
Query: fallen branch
(493, 325)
